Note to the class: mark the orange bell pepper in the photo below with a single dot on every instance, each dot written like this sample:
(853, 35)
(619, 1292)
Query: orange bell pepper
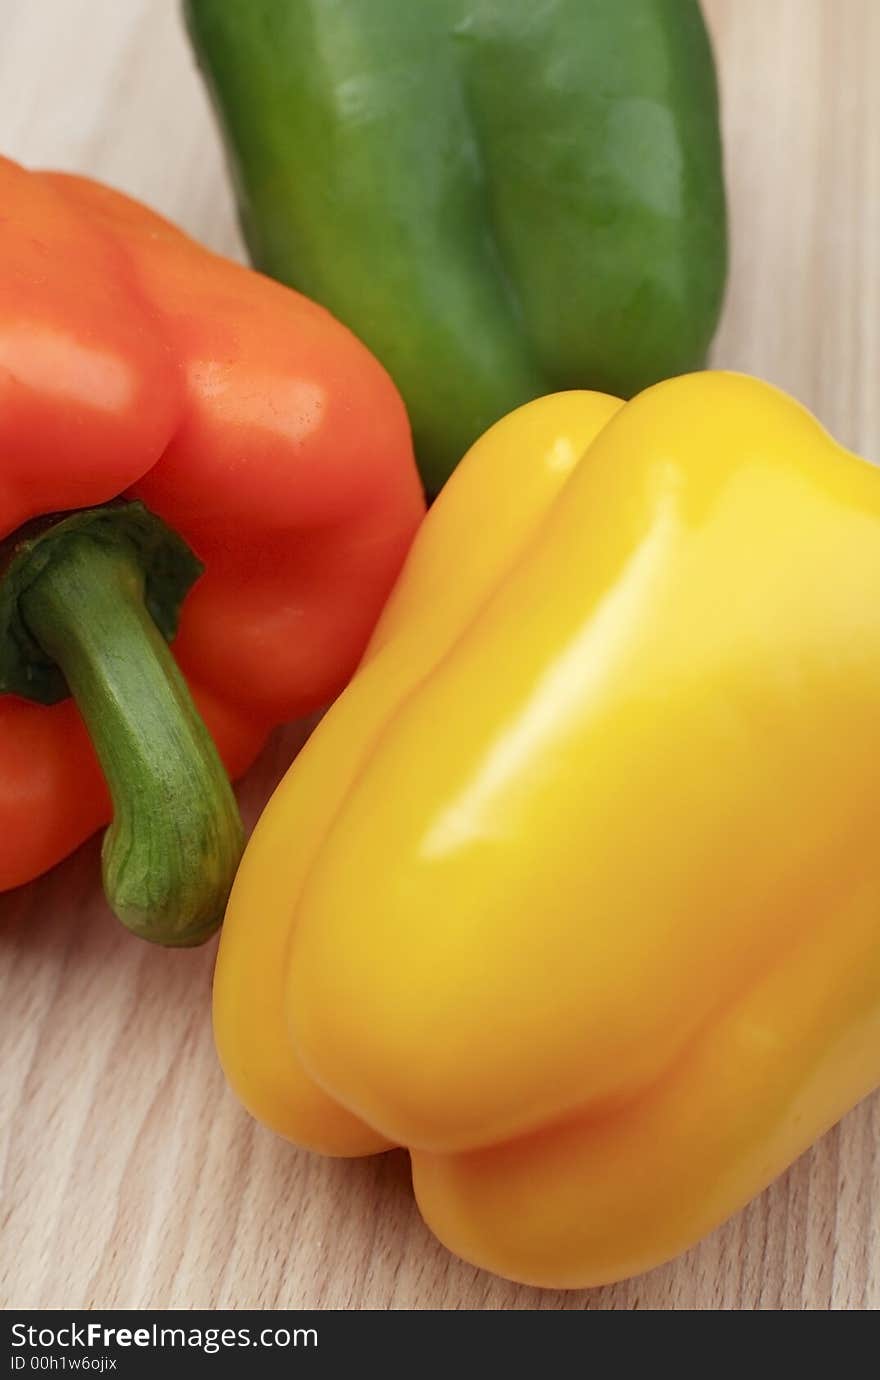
(135, 364)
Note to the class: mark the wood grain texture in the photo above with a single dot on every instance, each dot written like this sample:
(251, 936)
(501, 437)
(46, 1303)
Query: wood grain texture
(130, 1177)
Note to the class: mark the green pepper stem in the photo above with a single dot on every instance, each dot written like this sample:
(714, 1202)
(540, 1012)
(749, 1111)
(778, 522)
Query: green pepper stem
(170, 854)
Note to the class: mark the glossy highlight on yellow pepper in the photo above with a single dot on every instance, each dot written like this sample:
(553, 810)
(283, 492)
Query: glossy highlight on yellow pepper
(575, 891)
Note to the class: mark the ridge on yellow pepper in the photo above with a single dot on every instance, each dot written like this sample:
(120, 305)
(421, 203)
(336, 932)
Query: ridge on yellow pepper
(575, 891)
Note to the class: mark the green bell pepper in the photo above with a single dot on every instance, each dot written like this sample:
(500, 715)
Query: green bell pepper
(501, 197)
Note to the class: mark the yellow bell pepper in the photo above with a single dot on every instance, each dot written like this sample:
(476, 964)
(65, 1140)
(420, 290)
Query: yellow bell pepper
(576, 890)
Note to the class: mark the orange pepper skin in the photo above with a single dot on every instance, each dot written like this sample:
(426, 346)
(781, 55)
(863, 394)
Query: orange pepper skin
(134, 362)
(574, 892)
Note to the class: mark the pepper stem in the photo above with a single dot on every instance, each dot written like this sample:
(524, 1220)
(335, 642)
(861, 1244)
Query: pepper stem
(170, 855)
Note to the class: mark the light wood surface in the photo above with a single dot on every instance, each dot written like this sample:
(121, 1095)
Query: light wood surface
(130, 1177)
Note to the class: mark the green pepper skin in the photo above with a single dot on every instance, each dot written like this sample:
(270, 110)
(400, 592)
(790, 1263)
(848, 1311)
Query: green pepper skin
(502, 198)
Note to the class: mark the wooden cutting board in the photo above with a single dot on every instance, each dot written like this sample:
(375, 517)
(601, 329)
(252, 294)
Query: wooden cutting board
(130, 1176)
